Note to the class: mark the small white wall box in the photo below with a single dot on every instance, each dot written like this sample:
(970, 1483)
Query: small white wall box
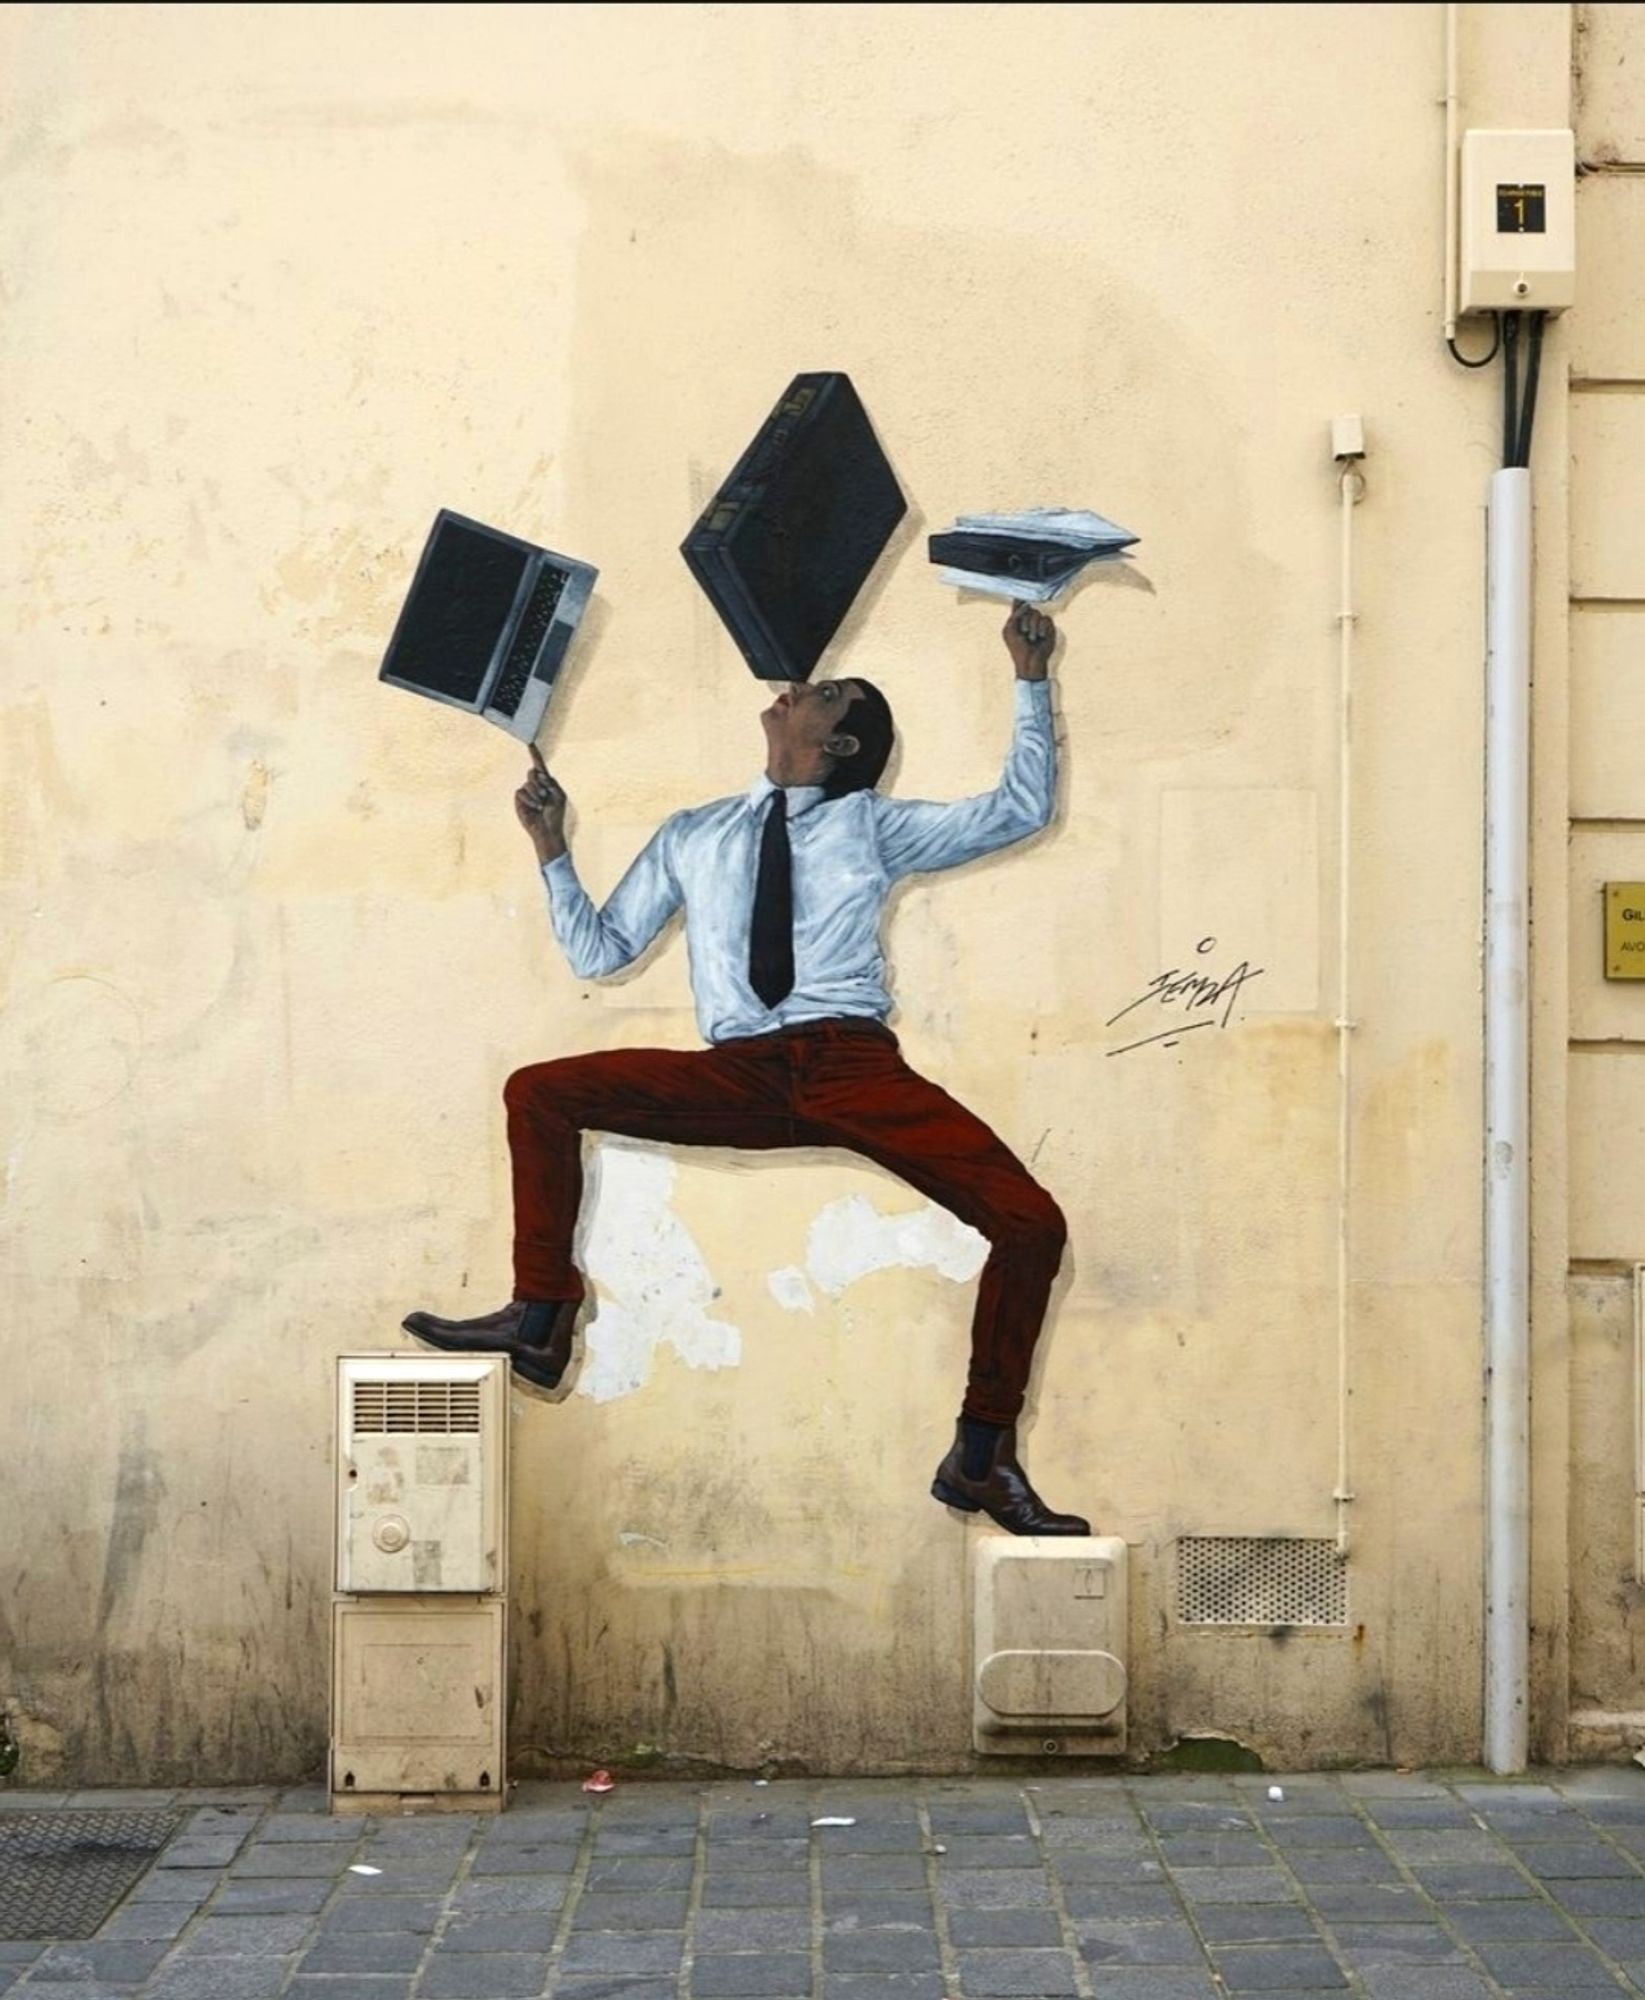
(417, 1705)
(421, 1443)
(1050, 1645)
(1518, 222)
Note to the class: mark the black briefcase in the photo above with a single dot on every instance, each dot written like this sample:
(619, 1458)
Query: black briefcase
(790, 538)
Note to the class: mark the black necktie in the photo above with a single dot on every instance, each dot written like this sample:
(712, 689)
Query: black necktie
(771, 935)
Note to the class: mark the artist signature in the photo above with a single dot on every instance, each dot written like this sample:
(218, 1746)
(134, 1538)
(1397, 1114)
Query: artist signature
(1194, 992)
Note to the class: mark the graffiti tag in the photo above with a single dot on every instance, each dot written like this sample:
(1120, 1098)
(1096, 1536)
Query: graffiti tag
(1194, 992)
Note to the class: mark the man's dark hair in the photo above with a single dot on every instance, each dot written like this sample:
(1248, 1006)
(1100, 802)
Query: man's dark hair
(868, 718)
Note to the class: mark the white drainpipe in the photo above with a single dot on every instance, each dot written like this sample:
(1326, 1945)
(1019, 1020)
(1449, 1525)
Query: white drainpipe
(1507, 1121)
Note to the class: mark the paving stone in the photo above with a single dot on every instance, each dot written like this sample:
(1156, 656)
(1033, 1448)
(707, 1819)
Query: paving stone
(1040, 1974)
(1567, 1968)
(645, 1840)
(174, 1885)
(1120, 1899)
(1320, 1830)
(1403, 1812)
(1328, 1865)
(1371, 1944)
(1255, 1923)
(874, 1871)
(96, 1962)
(738, 1892)
(968, 1819)
(508, 1892)
(1213, 1850)
(1208, 1818)
(1603, 1899)
(1104, 1942)
(19, 1951)
(218, 1979)
(309, 1826)
(662, 1911)
(1157, 1982)
(246, 1937)
(290, 1859)
(636, 1872)
(1571, 1860)
(523, 1858)
(755, 1930)
(1427, 1847)
(1532, 1919)
(149, 1920)
(1539, 1829)
(443, 1830)
(1474, 1883)
(1001, 1850)
(1424, 1982)
(1234, 1885)
(778, 1823)
(1371, 1903)
(492, 1975)
(871, 1986)
(856, 1910)
(882, 1950)
(1622, 1937)
(632, 1952)
(752, 1975)
(769, 1857)
(362, 1988)
(994, 1888)
(1262, 1968)
(401, 1872)
(1084, 1864)
(195, 1851)
(271, 1899)
(352, 1914)
(898, 1839)
(369, 1951)
(305, 1799)
(1000, 1928)
(601, 1987)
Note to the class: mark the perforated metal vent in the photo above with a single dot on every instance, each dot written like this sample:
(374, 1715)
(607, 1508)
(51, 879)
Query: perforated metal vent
(1260, 1580)
(416, 1406)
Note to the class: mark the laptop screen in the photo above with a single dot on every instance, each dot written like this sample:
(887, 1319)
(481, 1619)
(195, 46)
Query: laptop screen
(456, 612)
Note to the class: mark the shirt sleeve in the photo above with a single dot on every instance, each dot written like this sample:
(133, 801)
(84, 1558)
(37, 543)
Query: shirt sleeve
(916, 836)
(597, 943)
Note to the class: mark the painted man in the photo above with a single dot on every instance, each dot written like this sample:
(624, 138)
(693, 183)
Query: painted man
(784, 889)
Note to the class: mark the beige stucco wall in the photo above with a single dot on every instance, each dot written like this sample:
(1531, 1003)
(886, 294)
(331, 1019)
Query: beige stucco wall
(281, 282)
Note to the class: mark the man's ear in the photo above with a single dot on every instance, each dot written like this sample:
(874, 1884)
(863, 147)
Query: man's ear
(842, 745)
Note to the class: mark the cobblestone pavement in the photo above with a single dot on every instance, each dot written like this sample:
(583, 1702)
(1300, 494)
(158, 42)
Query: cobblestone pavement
(1383, 1885)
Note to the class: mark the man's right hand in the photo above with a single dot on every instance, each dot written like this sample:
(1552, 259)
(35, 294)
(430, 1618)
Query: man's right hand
(539, 805)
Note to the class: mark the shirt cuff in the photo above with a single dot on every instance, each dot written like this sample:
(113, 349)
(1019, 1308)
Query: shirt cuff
(559, 871)
(1033, 697)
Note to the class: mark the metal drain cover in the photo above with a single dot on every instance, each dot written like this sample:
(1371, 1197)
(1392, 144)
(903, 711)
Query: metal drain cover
(61, 1873)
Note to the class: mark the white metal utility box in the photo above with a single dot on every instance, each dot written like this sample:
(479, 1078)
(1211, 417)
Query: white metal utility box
(1050, 1645)
(421, 1442)
(419, 1623)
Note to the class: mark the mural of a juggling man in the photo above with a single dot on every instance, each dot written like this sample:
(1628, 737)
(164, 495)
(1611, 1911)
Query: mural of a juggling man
(784, 889)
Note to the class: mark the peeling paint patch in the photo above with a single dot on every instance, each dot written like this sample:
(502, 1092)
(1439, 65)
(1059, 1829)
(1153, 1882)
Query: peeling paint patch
(655, 1285)
(254, 795)
(850, 1238)
(632, 1539)
(791, 1289)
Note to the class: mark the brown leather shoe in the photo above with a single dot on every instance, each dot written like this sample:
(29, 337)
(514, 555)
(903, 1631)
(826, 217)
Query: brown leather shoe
(1003, 1494)
(540, 1362)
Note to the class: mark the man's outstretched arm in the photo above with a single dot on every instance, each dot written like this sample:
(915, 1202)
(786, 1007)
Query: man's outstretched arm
(916, 836)
(595, 942)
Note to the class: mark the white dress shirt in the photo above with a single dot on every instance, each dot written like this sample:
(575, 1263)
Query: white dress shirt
(847, 853)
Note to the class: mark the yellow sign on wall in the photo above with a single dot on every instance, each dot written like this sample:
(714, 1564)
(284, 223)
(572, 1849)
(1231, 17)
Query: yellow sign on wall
(1625, 930)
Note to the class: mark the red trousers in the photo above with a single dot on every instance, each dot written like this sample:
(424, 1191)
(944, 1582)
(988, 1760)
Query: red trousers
(833, 1083)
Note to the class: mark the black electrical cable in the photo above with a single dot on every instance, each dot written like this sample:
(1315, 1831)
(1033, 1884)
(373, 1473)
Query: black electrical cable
(1527, 406)
(1484, 360)
(1510, 388)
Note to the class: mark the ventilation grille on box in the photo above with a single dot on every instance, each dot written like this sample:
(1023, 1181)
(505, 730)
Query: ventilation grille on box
(416, 1406)
(1260, 1580)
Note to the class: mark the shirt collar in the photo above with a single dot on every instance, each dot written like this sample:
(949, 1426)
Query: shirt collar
(801, 798)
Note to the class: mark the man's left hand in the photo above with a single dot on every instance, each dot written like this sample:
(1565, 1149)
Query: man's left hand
(1029, 639)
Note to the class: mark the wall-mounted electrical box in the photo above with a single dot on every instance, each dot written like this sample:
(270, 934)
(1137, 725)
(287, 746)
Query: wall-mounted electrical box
(1518, 207)
(420, 1466)
(1050, 1645)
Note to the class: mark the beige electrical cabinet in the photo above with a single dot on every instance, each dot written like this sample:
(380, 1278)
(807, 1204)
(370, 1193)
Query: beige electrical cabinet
(1050, 1645)
(419, 1622)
